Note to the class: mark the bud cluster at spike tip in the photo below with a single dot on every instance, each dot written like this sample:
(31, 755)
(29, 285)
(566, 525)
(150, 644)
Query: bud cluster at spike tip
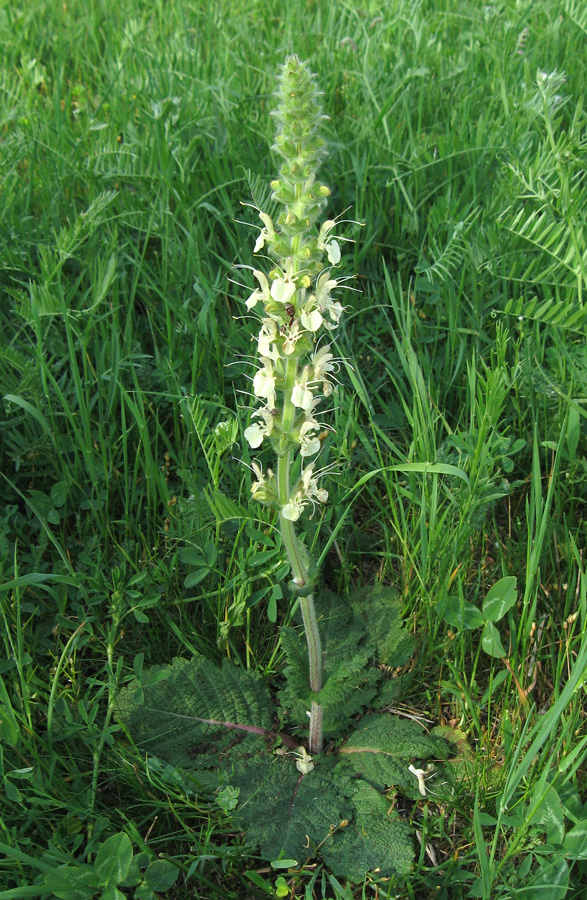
(295, 296)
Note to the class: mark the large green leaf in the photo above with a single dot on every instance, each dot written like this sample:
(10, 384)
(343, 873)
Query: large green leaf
(112, 893)
(350, 678)
(378, 840)
(500, 598)
(384, 746)
(199, 713)
(288, 814)
(113, 859)
(460, 615)
(217, 723)
(549, 813)
(161, 875)
(378, 609)
(358, 632)
(550, 881)
(72, 883)
(491, 641)
(575, 841)
(291, 815)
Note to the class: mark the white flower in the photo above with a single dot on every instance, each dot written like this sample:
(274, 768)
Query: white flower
(283, 289)
(304, 762)
(309, 442)
(335, 311)
(310, 485)
(322, 362)
(306, 493)
(333, 252)
(311, 318)
(263, 489)
(264, 384)
(332, 247)
(255, 433)
(324, 232)
(301, 396)
(262, 294)
(267, 337)
(324, 302)
(323, 288)
(253, 299)
(266, 234)
(293, 508)
(258, 473)
(421, 775)
(293, 335)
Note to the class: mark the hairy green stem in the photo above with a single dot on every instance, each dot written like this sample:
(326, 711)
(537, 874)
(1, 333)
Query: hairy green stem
(299, 568)
(300, 574)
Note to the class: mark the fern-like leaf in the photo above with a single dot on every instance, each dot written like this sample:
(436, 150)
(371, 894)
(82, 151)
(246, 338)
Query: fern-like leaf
(223, 508)
(577, 12)
(565, 315)
(446, 259)
(560, 257)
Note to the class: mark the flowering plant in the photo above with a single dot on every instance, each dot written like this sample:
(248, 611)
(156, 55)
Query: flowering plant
(297, 302)
(219, 723)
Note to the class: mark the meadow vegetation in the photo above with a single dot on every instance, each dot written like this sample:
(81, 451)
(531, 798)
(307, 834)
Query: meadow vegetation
(135, 144)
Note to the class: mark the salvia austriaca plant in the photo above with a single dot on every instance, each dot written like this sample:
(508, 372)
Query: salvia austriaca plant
(296, 365)
(214, 727)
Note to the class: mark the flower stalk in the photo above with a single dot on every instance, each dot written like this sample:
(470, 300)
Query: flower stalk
(293, 376)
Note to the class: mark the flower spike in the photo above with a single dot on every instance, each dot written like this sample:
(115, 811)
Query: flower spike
(298, 302)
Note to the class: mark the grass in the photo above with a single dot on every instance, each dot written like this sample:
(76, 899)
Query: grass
(131, 135)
